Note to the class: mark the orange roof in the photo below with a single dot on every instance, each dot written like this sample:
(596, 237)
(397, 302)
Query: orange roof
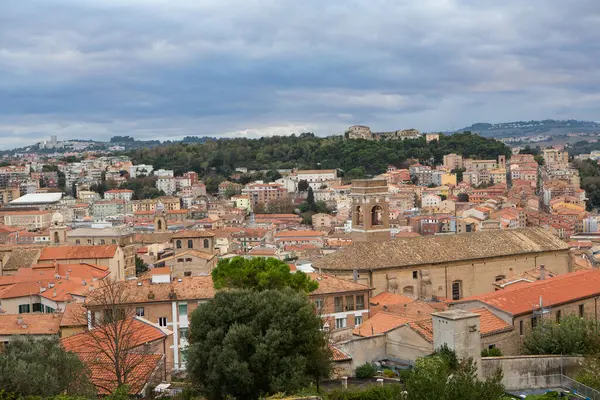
(331, 284)
(74, 315)
(102, 371)
(286, 234)
(490, 324)
(145, 332)
(119, 191)
(560, 289)
(387, 298)
(201, 233)
(380, 323)
(80, 270)
(338, 354)
(160, 271)
(32, 324)
(77, 252)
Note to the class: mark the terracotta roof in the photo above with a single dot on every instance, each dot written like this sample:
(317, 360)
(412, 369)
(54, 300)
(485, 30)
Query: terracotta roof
(192, 252)
(160, 271)
(201, 233)
(554, 291)
(531, 275)
(77, 252)
(332, 284)
(287, 234)
(338, 354)
(257, 251)
(74, 315)
(439, 249)
(490, 324)
(79, 270)
(387, 298)
(414, 310)
(380, 323)
(424, 328)
(102, 371)
(32, 324)
(190, 288)
(145, 332)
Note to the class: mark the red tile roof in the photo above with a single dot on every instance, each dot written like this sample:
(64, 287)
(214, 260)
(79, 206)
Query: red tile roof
(560, 289)
(337, 354)
(490, 324)
(380, 323)
(31, 324)
(138, 330)
(330, 284)
(288, 234)
(74, 315)
(102, 372)
(387, 298)
(77, 252)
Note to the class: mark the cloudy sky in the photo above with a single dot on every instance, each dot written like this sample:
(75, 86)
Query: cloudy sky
(169, 68)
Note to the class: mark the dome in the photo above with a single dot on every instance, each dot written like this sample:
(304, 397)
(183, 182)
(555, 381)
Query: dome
(57, 218)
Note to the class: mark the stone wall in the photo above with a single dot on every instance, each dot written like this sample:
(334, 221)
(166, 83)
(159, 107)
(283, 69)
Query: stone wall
(365, 350)
(531, 372)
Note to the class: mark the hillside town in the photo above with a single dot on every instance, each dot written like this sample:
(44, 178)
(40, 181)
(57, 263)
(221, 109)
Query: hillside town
(479, 250)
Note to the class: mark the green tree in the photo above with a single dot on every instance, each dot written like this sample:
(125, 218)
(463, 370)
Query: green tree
(589, 372)
(441, 376)
(41, 367)
(140, 266)
(463, 197)
(310, 200)
(303, 185)
(259, 274)
(573, 335)
(247, 344)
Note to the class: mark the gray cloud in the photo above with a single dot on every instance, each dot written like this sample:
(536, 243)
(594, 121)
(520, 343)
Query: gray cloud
(170, 68)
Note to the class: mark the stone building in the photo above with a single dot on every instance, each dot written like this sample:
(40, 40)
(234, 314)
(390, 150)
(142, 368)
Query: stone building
(447, 266)
(370, 210)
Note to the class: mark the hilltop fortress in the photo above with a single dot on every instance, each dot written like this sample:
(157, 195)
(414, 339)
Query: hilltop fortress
(364, 132)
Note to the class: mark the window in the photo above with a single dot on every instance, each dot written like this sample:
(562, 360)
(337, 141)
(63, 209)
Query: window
(500, 278)
(533, 322)
(180, 260)
(521, 327)
(360, 302)
(190, 244)
(24, 308)
(206, 244)
(581, 310)
(183, 333)
(89, 241)
(349, 303)
(408, 290)
(319, 304)
(178, 244)
(340, 323)
(491, 346)
(49, 310)
(415, 274)
(183, 309)
(139, 311)
(338, 304)
(456, 290)
(102, 241)
(114, 241)
(77, 241)
(558, 317)
(37, 307)
(357, 320)
(187, 273)
(162, 321)
(188, 260)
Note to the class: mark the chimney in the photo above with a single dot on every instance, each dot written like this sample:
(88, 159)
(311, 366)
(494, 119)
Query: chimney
(55, 265)
(54, 293)
(19, 320)
(542, 272)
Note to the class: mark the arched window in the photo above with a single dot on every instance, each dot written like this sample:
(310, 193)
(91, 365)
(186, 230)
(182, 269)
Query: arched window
(456, 290)
(159, 225)
(206, 243)
(408, 290)
(178, 244)
(500, 278)
(359, 216)
(376, 215)
(56, 238)
(190, 244)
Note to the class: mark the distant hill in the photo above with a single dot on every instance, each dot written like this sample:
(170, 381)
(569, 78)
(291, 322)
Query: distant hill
(549, 127)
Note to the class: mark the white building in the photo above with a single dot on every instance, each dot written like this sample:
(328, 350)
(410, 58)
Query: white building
(118, 194)
(167, 184)
(140, 169)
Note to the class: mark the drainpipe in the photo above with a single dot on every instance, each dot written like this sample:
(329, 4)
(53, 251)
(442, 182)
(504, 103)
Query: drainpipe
(446, 282)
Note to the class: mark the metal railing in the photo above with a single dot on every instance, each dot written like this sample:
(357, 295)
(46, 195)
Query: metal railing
(555, 381)
(580, 388)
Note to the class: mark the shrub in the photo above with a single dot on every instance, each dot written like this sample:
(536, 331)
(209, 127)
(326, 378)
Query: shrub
(493, 352)
(387, 392)
(366, 371)
(388, 373)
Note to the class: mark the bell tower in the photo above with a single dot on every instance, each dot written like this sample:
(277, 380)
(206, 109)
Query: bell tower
(370, 210)
(58, 230)
(160, 218)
